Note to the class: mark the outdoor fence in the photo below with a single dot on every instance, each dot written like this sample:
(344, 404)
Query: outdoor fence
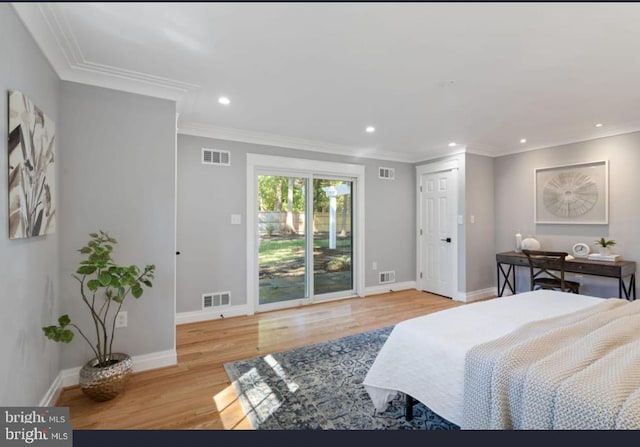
(272, 223)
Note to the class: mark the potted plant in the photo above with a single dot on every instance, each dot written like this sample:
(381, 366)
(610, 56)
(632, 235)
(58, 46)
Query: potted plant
(104, 286)
(606, 245)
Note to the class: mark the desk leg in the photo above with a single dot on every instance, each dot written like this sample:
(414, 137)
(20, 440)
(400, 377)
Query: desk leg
(505, 276)
(629, 292)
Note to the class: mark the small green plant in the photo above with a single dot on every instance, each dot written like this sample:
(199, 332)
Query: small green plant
(104, 286)
(605, 243)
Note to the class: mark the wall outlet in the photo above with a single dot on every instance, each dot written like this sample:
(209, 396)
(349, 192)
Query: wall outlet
(374, 265)
(121, 319)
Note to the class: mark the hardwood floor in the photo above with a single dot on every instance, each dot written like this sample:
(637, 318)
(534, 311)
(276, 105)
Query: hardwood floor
(197, 394)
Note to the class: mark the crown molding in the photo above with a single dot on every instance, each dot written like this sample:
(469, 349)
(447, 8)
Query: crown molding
(51, 31)
(246, 136)
(614, 132)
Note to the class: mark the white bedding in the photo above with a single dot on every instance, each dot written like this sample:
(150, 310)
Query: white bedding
(425, 357)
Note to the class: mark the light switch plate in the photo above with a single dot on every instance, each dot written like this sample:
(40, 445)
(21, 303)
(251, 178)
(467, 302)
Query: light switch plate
(236, 219)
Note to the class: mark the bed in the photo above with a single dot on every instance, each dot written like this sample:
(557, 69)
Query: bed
(535, 360)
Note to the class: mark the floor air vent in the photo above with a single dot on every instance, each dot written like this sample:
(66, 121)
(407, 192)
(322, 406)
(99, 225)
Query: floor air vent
(217, 299)
(387, 277)
(216, 157)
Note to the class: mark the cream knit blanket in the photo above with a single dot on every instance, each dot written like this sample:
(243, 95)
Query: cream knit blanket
(579, 371)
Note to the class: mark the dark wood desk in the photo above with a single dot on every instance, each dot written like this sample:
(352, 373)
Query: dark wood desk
(619, 270)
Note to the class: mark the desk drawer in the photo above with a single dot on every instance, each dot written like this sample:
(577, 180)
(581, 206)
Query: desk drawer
(612, 271)
(515, 260)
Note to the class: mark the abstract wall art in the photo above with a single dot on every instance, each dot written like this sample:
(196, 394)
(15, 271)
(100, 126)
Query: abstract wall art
(572, 194)
(32, 210)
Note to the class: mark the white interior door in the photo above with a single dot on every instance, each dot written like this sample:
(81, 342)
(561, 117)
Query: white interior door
(437, 232)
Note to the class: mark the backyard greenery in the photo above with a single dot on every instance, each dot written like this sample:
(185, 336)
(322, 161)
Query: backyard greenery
(279, 251)
(282, 250)
(273, 194)
(282, 266)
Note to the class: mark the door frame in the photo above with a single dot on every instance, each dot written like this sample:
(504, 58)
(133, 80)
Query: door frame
(432, 168)
(287, 165)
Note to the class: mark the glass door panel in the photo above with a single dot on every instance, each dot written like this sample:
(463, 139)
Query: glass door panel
(282, 252)
(332, 236)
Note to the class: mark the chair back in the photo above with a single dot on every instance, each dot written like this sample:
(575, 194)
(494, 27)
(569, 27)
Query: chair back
(546, 264)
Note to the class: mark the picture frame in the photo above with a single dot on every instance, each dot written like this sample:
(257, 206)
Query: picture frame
(31, 156)
(575, 194)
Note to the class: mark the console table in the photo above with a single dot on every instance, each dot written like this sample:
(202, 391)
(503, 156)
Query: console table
(619, 269)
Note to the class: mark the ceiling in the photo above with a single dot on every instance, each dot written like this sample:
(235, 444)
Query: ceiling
(315, 75)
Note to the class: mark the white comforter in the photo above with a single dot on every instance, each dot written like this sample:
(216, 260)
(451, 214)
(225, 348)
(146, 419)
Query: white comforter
(425, 357)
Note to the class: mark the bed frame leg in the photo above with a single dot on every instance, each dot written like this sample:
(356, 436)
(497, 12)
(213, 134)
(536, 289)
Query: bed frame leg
(408, 407)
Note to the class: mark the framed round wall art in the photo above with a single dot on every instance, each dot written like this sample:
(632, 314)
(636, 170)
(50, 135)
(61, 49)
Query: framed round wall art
(572, 194)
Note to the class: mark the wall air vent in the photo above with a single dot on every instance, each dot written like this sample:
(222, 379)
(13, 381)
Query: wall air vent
(215, 299)
(386, 173)
(216, 157)
(387, 277)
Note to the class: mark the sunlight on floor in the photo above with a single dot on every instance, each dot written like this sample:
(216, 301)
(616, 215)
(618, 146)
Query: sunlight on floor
(232, 415)
(261, 399)
(277, 368)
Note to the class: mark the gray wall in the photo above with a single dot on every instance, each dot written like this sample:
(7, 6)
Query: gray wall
(514, 202)
(28, 267)
(213, 252)
(480, 235)
(117, 159)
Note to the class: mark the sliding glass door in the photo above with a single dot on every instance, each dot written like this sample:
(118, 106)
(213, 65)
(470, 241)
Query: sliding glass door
(305, 238)
(282, 252)
(332, 236)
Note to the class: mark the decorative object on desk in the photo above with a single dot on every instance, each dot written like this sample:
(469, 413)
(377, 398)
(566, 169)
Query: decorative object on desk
(518, 242)
(605, 245)
(581, 250)
(104, 285)
(572, 194)
(530, 243)
(32, 138)
(601, 257)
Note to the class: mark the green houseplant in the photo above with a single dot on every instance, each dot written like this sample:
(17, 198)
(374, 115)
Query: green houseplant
(104, 287)
(606, 244)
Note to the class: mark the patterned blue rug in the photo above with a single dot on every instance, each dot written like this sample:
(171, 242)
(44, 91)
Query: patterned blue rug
(319, 387)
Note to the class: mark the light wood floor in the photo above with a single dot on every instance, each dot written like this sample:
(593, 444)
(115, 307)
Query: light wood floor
(197, 394)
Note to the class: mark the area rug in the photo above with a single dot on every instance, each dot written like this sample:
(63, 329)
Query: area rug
(319, 387)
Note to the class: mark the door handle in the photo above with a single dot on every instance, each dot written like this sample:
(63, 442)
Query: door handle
(446, 240)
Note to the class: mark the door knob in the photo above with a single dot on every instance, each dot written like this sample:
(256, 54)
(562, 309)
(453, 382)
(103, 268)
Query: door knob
(446, 240)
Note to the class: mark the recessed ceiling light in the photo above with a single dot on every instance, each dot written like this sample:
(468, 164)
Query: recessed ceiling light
(224, 100)
(452, 144)
(599, 125)
(370, 129)
(523, 140)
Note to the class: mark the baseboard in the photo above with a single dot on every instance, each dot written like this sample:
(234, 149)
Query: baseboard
(206, 315)
(477, 295)
(51, 396)
(69, 377)
(155, 360)
(391, 287)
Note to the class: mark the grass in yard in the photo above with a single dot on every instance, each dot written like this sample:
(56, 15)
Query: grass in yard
(291, 249)
(282, 266)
